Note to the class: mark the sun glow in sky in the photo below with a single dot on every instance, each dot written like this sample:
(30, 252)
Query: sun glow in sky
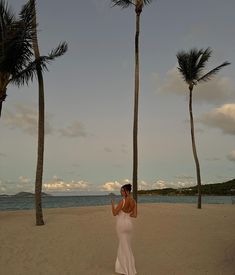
(89, 99)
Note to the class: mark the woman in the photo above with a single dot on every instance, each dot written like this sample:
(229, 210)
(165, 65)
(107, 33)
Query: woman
(126, 208)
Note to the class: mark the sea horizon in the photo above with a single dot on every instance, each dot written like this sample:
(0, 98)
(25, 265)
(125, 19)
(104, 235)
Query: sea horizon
(13, 203)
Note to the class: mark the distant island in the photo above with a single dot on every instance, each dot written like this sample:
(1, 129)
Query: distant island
(25, 195)
(216, 189)
(112, 195)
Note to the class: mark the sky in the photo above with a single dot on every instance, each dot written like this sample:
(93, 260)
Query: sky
(89, 99)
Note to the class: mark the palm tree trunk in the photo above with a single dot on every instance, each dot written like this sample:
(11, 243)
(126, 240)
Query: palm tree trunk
(136, 107)
(39, 169)
(2, 98)
(194, 150)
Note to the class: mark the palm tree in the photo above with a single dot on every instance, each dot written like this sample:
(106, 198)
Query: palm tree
(59, 51)
(15, 48)
(191, 65)
(138, 5)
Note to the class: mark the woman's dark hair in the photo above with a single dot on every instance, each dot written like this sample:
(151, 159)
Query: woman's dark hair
(127, 187)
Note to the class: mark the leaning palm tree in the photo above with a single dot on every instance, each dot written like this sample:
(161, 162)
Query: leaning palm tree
(15, 48)
(18, 41)
(138, 5)
(191, 65)
(59, 51)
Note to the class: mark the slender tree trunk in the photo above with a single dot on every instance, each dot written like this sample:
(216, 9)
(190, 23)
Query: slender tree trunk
(39, 171)
(136, 107)
(2, 98)
(199, 203)
(3, 93)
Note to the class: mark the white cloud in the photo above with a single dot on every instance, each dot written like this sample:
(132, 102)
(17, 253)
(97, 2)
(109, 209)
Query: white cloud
(25, 117)
(111, 186)
(59, 185)
(222, 118)
(218, 90)
(76, 129)
(182, 182)
(231, 156)
(13, 187)
(23, 179)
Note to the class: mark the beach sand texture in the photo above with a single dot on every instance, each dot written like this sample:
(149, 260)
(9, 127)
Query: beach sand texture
(168, 239)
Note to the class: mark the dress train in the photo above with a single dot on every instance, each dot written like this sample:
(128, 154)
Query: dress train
(125, 262)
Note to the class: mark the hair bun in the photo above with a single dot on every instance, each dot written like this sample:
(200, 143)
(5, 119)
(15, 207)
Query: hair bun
(127, 187)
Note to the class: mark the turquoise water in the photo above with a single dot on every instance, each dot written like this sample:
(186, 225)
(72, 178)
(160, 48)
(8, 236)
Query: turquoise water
(16, 203)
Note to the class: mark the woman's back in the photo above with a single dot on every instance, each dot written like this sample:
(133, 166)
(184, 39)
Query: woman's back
(128, 205)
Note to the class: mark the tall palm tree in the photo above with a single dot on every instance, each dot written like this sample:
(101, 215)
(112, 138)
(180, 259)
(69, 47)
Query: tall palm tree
(59, 51)
(138, 5)
(15, 49)
(191, 66)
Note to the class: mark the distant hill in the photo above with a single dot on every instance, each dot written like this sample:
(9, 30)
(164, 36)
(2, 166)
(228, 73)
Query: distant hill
(220, 189)
(25, 195)
(28, 194)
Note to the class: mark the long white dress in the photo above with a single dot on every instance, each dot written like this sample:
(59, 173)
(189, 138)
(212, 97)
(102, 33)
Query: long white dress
(125, 262)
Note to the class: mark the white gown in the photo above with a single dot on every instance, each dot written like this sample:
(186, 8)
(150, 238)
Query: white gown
(125, 262)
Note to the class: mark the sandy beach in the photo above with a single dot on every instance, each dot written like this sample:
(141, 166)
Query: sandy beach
(168, 239)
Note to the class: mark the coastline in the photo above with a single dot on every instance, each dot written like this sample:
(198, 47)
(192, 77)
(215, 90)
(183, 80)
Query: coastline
(23, 203)
(168, 239)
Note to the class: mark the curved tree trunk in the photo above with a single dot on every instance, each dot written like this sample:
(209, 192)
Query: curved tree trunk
(136, 106)
(39, 171)
(194, 149)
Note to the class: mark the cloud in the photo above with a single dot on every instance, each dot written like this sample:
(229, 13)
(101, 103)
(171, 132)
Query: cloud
(218, 90)
(76, 129)
(231, 156)
(111, 186)
(213, 159)
(56, 184)
(184, 177)
(107, 149)
(2, 155)
(23, 179)
(12, 187)
(183, 182)
(25, 118)
(143, 185)
(59, 185)
(222, 118)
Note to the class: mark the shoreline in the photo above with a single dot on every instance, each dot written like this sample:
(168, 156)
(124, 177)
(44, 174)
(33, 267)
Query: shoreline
(168, 238)
(20, 203)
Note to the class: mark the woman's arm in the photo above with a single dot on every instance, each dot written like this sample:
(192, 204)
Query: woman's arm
(118, 208)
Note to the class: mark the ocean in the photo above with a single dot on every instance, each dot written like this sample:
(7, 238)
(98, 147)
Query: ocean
(20, 203)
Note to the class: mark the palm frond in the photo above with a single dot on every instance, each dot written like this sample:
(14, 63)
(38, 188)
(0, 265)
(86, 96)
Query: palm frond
(6, 14)
(27, 75)
(17, 49)
(203, 59)
(122, 3)
(213, 72)
(27, 16)
(16, 43)
(182, 57)
(58, 51)
(187, 61)
(147, 2)
(192, 63)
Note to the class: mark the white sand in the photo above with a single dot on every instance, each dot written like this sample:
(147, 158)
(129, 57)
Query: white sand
(169, 239)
